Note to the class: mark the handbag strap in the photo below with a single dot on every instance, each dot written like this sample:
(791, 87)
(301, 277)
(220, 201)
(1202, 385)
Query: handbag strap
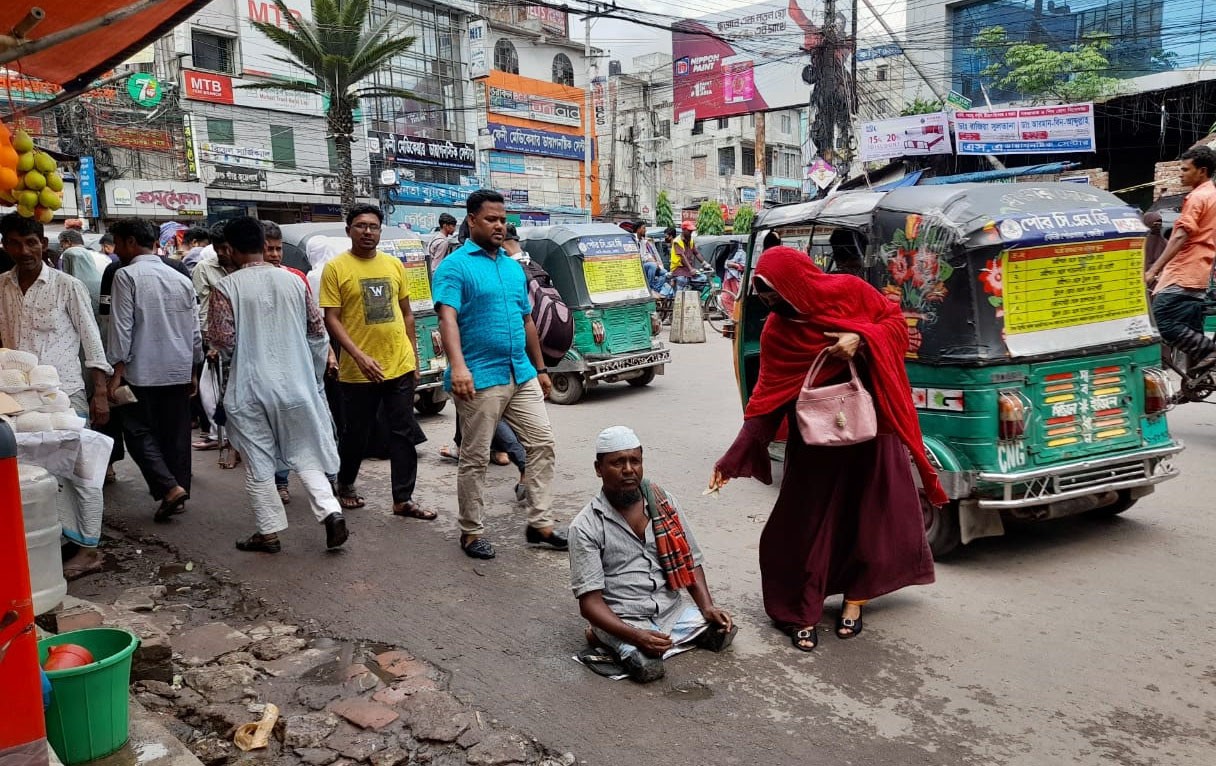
(817, 365)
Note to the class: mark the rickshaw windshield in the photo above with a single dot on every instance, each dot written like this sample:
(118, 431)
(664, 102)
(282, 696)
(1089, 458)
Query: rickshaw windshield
(412, 254)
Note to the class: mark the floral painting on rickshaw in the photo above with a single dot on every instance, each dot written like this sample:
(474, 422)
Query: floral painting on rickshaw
(992, 279)
(916, 274)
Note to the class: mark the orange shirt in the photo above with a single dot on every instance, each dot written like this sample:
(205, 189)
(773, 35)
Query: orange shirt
(1191, 268)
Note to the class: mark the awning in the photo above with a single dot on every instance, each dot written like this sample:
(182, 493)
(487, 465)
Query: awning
(73, 62)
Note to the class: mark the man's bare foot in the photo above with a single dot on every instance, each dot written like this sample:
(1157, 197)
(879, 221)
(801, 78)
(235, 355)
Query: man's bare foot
(86, 561)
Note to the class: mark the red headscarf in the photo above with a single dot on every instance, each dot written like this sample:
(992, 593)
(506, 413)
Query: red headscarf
(836, 303)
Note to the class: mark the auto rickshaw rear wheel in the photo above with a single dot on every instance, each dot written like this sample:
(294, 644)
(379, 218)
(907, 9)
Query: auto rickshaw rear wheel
(941, 526)
(1124, 502)
(642, 380)
(425, 403)
(567, 388)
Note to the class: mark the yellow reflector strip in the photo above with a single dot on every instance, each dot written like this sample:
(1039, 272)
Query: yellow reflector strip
(1109, 391)
(1060, 398)
(1111, 433)
(1062, 442)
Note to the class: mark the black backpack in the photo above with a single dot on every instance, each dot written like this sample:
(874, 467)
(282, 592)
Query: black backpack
(553, 318)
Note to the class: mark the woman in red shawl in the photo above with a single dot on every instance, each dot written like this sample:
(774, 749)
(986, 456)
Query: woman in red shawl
(848, 520)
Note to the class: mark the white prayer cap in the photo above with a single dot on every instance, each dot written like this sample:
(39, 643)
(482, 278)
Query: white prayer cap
(616, 439)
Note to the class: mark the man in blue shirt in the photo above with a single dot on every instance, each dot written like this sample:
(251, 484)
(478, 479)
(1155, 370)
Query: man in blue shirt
(495, 371)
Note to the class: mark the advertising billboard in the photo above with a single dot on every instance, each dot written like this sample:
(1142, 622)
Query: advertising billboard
(747, 59)
(905, 136)
(1029, 130)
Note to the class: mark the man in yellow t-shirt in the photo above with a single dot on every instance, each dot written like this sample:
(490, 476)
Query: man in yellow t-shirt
(367, 311)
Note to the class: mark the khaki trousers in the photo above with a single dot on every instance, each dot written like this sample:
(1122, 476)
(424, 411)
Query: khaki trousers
(523, 407)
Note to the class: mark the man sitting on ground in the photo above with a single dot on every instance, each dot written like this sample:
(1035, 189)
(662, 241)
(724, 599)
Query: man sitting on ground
(631, 559)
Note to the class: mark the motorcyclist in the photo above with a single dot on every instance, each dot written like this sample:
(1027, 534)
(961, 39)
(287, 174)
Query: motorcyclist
(686, 260)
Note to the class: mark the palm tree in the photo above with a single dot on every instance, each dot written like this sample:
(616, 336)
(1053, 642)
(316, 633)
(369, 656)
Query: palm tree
(341, 49)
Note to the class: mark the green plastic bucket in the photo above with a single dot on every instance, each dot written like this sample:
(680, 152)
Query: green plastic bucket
(88, 717)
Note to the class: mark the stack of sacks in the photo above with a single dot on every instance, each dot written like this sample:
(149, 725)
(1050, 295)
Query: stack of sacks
(35, 388)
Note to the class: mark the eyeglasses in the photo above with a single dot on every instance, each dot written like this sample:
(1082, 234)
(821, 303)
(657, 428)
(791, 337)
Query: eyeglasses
(366, 227)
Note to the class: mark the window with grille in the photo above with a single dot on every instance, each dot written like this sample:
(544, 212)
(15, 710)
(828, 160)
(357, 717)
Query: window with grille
(786, 123)
(212, 52)
(563, 70)
(698, 127)
(505, 57)
(749, 161)
(880, 73)
(723, 123)
(726, 161)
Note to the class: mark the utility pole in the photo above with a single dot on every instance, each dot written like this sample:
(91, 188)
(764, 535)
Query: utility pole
(588, 118)
(761, 152)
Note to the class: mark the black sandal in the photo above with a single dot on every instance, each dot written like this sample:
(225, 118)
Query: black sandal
(853, 626)
(256, 543)
(800, 636)
(170, 508)
(349, 499)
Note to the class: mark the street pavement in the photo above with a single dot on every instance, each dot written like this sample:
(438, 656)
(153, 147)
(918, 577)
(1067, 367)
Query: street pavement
(1080, 641)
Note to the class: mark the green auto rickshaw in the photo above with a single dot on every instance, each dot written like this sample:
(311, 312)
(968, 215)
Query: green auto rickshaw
(598, 272)
(429, 396)
(1034, 362)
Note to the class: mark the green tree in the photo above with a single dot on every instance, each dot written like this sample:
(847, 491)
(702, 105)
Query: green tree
(920, 105)
(664, 216)
(341, 48)
(744, 218)
(1041, 73)
(709, 219)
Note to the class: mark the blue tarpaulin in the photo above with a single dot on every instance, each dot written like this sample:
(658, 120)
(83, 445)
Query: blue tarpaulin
(987, 176)
(909, 180)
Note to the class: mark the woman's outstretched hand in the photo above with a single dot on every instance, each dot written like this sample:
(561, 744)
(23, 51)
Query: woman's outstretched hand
(717, 481)
(846, 346)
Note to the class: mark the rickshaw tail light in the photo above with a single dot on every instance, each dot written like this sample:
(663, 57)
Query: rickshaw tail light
(436, 343)
(597, 331)
(1012, 414)
(1157, 391)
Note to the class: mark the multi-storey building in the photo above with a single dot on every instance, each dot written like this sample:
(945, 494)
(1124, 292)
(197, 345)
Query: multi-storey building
(651, 150)
(530, 96)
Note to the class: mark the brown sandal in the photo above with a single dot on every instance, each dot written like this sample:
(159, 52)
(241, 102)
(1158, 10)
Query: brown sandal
(349, 499)
(410, 509)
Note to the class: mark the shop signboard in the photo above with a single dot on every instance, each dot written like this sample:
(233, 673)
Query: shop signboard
(222, 89)
(419, 218)
(245, 156)
(88, 187)
(746, 59)
(416, 150)
(550, 19)
(259, 55)
(332, 185)
(1029, 130)
(479, 49)
(156, 199)
(425, 193)
(919, 134)
(612, 268)
(525, 106)
(534, 141)
(144, 89)
(148, 139)
(237, 177)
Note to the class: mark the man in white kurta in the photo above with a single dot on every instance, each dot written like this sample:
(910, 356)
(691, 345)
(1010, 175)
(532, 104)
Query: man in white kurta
(260, 316)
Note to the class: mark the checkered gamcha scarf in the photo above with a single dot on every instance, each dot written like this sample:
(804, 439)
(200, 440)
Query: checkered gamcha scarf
(675, 555)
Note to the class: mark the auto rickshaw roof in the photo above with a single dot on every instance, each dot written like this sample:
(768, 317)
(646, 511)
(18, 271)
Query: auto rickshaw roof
(972, 206)
(562, 233)
(848, 209)
(296, 233)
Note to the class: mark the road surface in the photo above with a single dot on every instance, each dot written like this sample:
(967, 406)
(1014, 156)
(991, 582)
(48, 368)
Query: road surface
(1074, 642)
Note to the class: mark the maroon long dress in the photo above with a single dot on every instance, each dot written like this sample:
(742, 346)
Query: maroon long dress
(847, 521)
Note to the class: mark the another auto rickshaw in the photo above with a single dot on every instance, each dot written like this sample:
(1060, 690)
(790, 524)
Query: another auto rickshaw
(429, 396)
(598, 272)
(1034, 361)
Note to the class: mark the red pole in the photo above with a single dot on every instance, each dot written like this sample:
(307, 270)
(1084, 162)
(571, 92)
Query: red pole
(22, 726)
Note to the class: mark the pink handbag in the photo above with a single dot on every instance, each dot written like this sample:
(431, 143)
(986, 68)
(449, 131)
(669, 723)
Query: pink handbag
(836, 415)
